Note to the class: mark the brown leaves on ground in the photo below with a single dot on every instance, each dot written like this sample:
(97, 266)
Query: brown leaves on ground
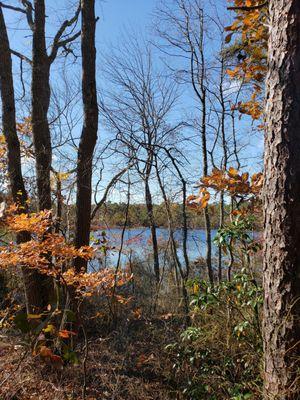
(120, 366)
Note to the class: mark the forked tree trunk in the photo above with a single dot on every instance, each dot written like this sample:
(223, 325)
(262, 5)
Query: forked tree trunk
(89, 131)
(282, 205)
(34, 292)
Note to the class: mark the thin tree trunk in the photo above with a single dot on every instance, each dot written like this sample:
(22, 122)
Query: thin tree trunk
(183, 274)
(281, 324)
(89, 130)
(150, 213)
(221, 223)
(184, 213)
(205, 173)
(225, 161)
(34, 290)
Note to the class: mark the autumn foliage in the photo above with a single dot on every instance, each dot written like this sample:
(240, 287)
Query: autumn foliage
(250, 32)
(50, 254)
(230, 182)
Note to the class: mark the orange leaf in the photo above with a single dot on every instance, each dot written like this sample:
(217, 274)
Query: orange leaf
(66, 334)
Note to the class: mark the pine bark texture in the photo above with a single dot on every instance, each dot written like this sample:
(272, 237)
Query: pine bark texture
(282, 205)
(89, 131)
(34, 291)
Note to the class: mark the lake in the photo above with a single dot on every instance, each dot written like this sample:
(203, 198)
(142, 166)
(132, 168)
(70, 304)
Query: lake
(137, 243)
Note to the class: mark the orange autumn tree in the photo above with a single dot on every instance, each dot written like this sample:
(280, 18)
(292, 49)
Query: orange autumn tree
(248, 37)
(48, 253)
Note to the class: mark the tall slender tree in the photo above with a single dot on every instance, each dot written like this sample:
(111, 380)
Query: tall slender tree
(282, 204)
(89, 130)
(34, 292)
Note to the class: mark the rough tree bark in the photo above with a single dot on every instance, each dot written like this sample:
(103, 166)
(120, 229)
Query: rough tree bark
(40, 98)
(89, 131)
(34, 292)
(41, 93)
(282, 204)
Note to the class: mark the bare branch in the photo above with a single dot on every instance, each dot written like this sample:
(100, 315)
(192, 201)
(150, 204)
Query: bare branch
(29, 13)
(57, 42)
(113, 181)
(21, 56)
(18, 9)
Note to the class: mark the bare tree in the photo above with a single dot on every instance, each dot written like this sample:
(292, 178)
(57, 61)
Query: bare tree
(183, 36)
(136, 109)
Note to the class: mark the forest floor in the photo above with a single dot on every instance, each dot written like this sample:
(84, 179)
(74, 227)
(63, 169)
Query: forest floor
(129, 363)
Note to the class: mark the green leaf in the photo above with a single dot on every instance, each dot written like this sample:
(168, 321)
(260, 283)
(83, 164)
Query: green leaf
(71, 316)
(22, 323)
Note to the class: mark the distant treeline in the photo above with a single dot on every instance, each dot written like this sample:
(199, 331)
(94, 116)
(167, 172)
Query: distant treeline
(113, 215)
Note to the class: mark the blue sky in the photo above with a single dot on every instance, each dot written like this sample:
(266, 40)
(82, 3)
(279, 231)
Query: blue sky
(116, 16)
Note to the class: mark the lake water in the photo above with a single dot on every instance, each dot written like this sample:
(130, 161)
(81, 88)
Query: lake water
(137, 243)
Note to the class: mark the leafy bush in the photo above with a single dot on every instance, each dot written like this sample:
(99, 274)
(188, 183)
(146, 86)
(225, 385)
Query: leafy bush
(218, 357)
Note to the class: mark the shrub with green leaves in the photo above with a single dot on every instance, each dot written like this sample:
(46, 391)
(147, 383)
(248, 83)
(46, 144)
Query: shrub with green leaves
(219, 356)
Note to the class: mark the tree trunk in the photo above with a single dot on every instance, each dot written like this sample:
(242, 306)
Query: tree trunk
(225, 160)
(205, 173)
(183, 274)
(282, 204)
(89, 131)
(34, 291)
(149, 206)
(221, 223)
(40, 92)
(40, 100)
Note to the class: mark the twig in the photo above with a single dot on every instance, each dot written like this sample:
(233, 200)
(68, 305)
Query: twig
(86, 353)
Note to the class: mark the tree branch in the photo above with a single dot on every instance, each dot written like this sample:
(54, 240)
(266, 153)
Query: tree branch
(21, 56)
(29, 12)
(109, 186)
(12, 8)
(57, 42)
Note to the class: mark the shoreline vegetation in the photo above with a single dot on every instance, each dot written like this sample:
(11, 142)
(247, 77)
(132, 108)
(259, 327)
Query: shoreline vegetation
(112, 216)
